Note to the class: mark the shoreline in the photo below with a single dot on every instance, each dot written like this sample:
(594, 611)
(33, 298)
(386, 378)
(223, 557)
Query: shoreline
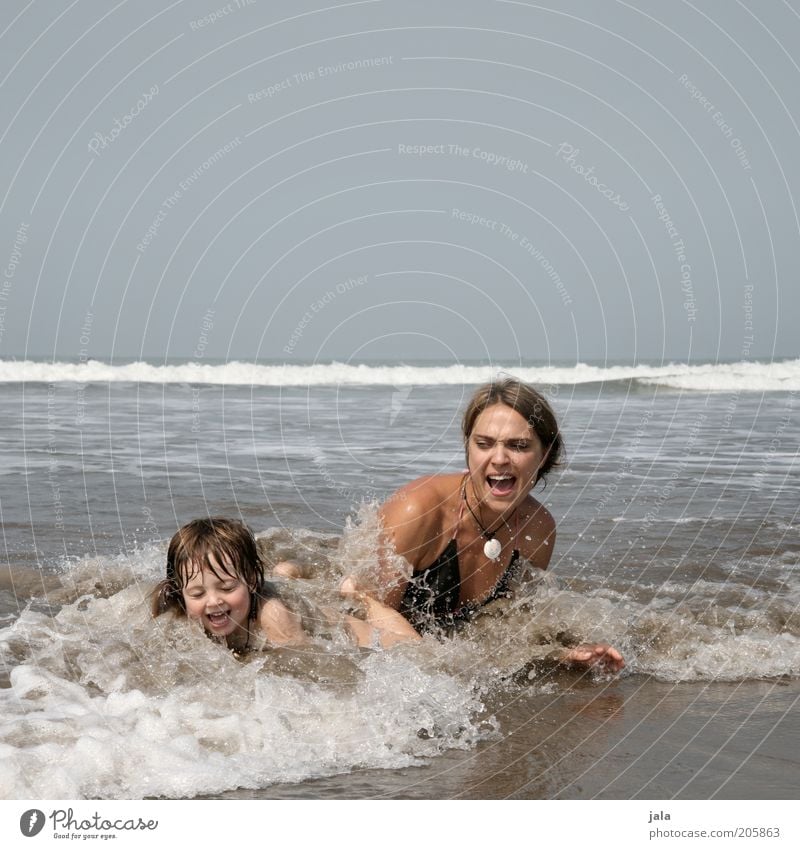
(632, 738)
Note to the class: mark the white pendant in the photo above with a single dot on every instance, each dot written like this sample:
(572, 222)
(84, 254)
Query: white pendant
(492, 549)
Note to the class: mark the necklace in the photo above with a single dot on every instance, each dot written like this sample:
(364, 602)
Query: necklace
(492, 547)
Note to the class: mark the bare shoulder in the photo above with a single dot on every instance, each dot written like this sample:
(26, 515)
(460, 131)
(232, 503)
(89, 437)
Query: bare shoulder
(279, 624)
(418, 513)
(424, 500)
(537, 533)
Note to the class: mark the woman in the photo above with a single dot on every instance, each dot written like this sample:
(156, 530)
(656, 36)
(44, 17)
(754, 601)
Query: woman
(464, 535)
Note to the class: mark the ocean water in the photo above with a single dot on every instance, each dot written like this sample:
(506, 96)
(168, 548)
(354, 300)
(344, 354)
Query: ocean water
(677, 511)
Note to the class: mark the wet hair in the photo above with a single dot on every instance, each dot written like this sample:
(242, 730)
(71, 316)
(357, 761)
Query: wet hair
(530, 404)
(230, 542)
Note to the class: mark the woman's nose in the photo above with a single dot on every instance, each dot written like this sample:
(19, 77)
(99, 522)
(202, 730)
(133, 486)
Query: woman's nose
(499, 452)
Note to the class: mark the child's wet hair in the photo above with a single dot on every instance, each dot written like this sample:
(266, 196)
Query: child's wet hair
(234, 551)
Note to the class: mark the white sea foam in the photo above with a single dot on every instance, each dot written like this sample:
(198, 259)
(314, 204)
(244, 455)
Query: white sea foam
(729, 377)
(105, 702)
(711, 655)
(713, 377)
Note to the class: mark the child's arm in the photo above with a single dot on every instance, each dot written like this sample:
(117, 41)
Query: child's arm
(280, 625)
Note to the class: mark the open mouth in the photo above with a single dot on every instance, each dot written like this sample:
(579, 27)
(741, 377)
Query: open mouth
(218, 620)
(501, 484)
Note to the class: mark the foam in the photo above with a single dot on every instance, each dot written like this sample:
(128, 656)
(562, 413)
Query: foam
(105, 702)
(713, 377)
(781, 376)
(108, 703)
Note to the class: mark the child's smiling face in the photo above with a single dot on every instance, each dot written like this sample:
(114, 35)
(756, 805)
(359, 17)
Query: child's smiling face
(216, 596)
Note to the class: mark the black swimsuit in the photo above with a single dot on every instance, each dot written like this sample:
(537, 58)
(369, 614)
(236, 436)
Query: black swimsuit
(431, 597)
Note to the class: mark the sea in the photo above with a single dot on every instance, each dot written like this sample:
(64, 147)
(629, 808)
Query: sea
(677, 512)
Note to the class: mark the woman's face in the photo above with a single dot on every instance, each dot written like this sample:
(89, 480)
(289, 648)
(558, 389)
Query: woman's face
(221, 601)
(504, 454)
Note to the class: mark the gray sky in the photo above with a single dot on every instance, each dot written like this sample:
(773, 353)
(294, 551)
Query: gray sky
(392, 179)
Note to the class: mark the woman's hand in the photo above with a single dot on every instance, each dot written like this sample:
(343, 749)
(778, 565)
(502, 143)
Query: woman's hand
(593, 655)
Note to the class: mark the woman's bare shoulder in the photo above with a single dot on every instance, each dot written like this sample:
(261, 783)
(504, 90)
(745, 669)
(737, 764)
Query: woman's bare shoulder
(417, 515)
(540, 515)
(424, 498)
(537, 533)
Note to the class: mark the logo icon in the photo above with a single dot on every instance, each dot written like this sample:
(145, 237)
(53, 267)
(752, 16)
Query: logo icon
(31, 822)
(399, 398)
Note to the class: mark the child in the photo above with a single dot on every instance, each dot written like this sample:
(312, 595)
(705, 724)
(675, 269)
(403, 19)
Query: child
(215, 576)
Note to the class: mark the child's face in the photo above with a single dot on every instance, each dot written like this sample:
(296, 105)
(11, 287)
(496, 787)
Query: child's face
(220, 602)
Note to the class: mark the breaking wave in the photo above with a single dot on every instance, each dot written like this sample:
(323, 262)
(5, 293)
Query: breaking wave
(711, 377)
